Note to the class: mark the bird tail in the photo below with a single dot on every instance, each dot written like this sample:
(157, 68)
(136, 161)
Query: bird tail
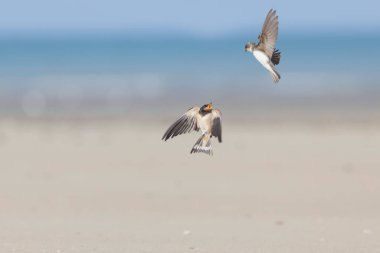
(203, 145)
(275, 75)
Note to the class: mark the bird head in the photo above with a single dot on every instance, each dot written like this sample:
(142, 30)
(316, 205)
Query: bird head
(207, 108)
(249, 47)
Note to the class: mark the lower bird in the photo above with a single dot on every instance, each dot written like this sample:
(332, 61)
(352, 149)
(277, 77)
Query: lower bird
(206, 119)
(265, 51)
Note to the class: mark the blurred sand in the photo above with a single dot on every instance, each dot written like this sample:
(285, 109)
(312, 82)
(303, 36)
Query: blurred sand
(116, 187)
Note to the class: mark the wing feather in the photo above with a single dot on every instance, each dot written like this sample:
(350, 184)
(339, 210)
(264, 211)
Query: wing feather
(185, 124)
(269, 33)
(217, 124)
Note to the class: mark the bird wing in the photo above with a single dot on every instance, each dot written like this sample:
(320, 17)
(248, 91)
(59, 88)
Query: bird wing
(268, 36)
(185, 124)
(216, 129)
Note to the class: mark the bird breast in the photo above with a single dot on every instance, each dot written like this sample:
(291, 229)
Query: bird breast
(261, 57)
(205, 123)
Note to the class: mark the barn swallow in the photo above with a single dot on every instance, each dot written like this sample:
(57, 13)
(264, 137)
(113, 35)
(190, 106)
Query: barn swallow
(265, 51)
(206, 119)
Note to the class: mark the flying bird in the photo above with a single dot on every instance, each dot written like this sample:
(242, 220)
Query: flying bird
(265, 51)
(206, 119)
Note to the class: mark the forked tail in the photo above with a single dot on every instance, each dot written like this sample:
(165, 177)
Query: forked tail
(203, 145)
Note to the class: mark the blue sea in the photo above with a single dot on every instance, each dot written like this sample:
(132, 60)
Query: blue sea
(41, 75)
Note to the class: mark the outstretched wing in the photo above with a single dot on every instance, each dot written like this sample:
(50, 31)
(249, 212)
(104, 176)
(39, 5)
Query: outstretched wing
(185, 124)
(216, 129)
(268, 36)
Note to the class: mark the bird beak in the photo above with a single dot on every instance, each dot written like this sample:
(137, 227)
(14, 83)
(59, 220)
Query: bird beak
(209, 107)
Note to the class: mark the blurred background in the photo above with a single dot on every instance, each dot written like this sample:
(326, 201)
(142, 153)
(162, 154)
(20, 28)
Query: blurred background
(87, 88)
(96, 59)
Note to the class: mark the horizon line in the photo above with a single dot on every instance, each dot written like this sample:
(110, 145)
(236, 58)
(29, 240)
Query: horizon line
(181, 33)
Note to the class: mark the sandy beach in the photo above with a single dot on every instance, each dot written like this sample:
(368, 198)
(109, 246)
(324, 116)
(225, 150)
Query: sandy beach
(88, 89)
(116, 187)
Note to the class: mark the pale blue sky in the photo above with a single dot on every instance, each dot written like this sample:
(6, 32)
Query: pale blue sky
(200, 17)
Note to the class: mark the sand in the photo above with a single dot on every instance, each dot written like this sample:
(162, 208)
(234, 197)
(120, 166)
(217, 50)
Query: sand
(116, 187)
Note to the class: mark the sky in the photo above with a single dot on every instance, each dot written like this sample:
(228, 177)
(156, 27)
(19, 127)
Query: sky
(199, 17)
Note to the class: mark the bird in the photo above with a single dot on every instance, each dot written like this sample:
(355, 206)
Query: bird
(206, 119)
(265, 51)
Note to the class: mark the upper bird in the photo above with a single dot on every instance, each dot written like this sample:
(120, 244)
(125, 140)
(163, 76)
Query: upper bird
(204, 118)
(265, 51)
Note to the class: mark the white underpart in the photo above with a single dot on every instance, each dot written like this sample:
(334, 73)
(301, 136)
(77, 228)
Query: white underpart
(204, 123)
(263, 59)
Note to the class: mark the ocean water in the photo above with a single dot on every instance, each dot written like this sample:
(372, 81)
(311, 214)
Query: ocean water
(40, 75)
